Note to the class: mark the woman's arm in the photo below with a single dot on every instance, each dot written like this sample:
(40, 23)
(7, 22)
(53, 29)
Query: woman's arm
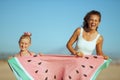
(99, 48)
(72, 40)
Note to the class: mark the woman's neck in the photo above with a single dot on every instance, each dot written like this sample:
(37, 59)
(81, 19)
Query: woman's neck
(90, 31)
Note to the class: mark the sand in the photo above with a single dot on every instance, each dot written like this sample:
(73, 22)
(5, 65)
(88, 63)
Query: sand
(110, 73)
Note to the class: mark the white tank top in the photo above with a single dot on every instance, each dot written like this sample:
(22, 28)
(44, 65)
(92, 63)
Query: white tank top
(84, 46)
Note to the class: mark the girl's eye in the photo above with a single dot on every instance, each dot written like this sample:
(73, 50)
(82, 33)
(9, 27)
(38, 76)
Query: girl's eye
(21, 43)
(25, 43)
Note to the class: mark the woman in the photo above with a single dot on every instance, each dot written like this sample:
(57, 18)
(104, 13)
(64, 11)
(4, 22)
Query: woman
(87, 37)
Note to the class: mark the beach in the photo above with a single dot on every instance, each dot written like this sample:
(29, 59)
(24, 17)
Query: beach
(110, 73)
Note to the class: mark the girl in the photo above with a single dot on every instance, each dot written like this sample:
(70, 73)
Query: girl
(24, 43)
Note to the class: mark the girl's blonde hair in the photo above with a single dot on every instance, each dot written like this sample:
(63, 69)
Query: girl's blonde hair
(26, 35)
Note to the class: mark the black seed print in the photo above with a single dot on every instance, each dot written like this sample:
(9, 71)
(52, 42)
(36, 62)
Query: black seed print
(87, 57)
(46, 71)
(91, 67)
(54, 76)
(70, 77)
(39, 63)
(77, 71)
(36, 71)
(95, 57)
(29, 60)
(83, 66)
(46, 78)
(85, 75)
(35, 56)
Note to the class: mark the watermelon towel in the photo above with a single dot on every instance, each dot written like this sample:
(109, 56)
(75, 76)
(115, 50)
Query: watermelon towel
(57, 67)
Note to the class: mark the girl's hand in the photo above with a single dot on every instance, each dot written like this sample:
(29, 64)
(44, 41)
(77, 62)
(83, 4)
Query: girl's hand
(10, 57)
(40, 54)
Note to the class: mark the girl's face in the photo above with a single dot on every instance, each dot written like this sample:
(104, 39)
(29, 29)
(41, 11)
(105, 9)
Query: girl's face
(24, 44)
(93, 22)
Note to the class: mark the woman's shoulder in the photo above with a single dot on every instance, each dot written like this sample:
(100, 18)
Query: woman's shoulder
(78, 30)
(100, 39)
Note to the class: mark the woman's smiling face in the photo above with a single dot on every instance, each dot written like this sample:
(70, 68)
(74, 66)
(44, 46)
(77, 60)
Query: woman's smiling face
(93, 21)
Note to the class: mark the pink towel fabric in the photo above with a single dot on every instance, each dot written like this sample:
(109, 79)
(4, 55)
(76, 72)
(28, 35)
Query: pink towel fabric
(58, 67)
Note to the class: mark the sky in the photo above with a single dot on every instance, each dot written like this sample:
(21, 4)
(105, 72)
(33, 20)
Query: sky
(52, 22)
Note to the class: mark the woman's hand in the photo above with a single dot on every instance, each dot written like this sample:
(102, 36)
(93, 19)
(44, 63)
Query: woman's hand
(79, 54)
(105, 57)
